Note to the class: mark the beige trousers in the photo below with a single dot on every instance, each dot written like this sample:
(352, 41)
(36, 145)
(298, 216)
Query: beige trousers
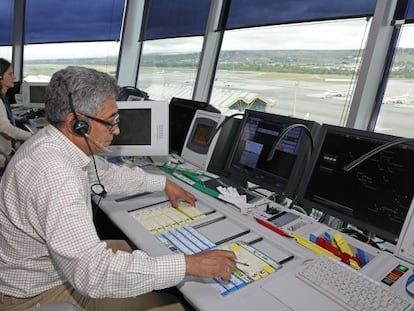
(151, 301)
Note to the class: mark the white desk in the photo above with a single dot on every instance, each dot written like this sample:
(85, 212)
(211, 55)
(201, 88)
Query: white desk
(278, 291)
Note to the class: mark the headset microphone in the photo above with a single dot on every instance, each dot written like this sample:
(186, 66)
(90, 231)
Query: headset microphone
(98, 144)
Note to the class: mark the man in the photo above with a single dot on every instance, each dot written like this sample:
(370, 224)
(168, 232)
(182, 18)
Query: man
(50, 250)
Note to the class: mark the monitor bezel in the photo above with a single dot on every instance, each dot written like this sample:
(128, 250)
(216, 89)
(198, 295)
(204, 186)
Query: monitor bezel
(26, 91)
(159, 130)
(303, 155)
(176, 143)
(196, 153)
(308, 203)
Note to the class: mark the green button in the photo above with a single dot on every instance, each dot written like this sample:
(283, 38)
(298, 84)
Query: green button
(402, 268)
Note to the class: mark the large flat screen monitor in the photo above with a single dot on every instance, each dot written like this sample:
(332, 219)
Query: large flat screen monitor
(144, 129)
(34, 94)
(258, 132)
(182, 112)
(375, 195)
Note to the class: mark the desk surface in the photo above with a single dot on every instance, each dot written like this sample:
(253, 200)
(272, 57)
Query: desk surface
(278, 291)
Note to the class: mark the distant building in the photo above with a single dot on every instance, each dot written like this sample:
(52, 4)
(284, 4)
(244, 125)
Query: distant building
(250, 102)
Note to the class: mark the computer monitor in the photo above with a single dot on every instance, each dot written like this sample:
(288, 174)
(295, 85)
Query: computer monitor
(258, 132)
(201, 138)
(34, 94)
(375, 195)
(143, 129)
(182, 112)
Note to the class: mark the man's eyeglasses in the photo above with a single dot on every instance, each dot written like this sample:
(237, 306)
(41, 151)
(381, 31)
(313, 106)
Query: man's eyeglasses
(111, 125)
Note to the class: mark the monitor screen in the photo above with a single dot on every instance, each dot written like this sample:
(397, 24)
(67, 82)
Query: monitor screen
(200, 142)
(258, 132)
(202, 133)
(143, 129)
(374, 196)
(182, 112)
(34, 94)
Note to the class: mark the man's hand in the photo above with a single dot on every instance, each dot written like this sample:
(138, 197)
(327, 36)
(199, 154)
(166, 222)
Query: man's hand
(175, 193)
(209, 264)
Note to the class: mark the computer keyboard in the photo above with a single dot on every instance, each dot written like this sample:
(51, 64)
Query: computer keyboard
(349, 288)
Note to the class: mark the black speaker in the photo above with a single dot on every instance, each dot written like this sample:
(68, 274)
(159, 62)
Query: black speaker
(79, 127)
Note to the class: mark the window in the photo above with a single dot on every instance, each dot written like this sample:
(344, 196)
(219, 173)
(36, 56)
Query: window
(168, 67)
(6, 23)
(40, 65)
(6, 52)
(172, 41)
(48, 21)
(6, 26)
(305, 70)
(246, 13)
(179, 18)
(397, 109)
(74, 32)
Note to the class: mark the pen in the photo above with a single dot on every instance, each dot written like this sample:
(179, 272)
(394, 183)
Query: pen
(281, 262)
(242, 263)
(272, 227)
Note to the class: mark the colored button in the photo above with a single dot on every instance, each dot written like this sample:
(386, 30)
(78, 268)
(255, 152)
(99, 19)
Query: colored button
(393, 277)
(397, 272)
(402, 268)
(387, 281)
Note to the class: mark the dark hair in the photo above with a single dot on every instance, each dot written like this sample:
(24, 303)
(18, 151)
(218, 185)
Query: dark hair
(4, 65)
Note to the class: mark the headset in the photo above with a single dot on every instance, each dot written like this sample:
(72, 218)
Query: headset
(81, 127)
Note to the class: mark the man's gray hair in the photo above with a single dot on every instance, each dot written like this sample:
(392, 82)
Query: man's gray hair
(88, 89)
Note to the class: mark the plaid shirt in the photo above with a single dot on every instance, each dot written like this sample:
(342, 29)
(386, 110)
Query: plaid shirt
(47, 235)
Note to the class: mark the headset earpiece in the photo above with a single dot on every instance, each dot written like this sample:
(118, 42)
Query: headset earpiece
(80, 127)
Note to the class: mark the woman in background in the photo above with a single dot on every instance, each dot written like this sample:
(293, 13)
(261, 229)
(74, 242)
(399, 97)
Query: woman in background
(8, 131)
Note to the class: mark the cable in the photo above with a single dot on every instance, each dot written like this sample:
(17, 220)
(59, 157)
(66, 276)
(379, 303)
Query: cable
(374, 151)
(218, 128)
(102, 194)
(284, 133)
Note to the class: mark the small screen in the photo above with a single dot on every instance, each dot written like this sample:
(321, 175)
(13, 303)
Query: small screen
(135, 127)
(37, 94)
(181, 114)
(374, 196)
(201, 135)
